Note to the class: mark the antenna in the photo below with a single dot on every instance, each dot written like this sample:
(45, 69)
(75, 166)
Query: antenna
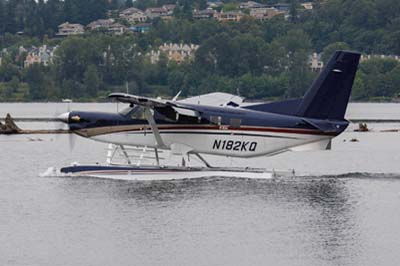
(176, 96)
(238, 91)
(127, 87)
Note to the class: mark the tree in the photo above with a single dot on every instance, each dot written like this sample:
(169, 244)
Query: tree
(11, 25)
(97, 9)
(3, 17)
(36, 81)
(71, 11)
(11, 87)
(293, 14)
(289, 53)
(92, 80)
(53, 15)
(128, 3)
(331, 48)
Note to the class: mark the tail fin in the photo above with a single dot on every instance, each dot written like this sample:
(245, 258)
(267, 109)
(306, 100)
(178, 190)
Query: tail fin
(330, 92)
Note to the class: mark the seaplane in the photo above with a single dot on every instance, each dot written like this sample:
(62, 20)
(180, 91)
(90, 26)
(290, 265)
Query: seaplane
(219, 124)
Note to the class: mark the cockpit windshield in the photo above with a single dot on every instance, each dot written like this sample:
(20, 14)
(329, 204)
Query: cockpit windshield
(134, 112)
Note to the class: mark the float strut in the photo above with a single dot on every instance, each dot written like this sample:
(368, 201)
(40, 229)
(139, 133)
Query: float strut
(126, 154)
(203, 160)
(157, 158)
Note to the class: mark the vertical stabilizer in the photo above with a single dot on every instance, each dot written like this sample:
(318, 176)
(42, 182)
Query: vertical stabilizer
(329, 94)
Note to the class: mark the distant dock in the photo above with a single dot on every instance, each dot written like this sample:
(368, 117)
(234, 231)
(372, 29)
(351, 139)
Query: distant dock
(33, 119)
(54, 119)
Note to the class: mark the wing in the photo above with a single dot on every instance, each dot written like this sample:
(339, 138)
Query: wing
(139, 100)
(214, 99)
(155, 103)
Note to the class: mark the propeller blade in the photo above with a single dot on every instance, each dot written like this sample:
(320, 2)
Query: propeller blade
(71, 141)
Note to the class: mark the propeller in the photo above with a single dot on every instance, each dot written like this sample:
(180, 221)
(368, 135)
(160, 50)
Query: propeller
(71, 141)
(62, 121)
(64, 117)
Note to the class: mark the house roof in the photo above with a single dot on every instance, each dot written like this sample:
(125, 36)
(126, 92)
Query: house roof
(131, 10)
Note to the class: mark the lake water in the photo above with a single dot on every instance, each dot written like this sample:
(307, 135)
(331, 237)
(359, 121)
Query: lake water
(342, 210)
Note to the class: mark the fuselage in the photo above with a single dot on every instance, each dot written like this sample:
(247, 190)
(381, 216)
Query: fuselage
(229, 131)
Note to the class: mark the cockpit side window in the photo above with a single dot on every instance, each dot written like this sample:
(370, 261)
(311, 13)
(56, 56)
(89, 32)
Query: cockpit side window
(133, 112)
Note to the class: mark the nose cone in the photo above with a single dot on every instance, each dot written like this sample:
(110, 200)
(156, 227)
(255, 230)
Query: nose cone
(64, 117)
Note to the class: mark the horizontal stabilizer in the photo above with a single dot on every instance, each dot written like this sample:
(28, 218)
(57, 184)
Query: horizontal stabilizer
(288, 107)
(326, 127)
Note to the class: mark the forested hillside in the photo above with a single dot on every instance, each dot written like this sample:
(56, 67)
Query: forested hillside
(258, 59)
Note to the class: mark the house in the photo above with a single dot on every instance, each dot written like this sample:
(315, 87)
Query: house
(170, 8)
(307, 6)
(203, 14)
(100, 24)
(133, 15)
(117, 28)
(264, 13)
(108, 25)
(229, 16)
(174, 52)
(67, 29)
(141, 28)
(250, 5)
(40, 55)
(214, 4)
(164, 12)
(315, 63)
(281, 7)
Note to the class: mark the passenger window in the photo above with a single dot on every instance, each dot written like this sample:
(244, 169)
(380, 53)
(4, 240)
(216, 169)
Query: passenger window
(235, 122)
(216, 120)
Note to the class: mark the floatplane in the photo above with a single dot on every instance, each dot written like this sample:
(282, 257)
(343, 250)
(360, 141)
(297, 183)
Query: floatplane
(216, 124)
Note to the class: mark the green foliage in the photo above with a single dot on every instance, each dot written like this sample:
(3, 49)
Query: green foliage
(260, 59)
(377, 78)
(230, 7)
(92, 80)
(331, 48)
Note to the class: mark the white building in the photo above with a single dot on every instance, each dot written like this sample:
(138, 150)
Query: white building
(315, 63)
(174, 52)
(375, 56)
(40, 55)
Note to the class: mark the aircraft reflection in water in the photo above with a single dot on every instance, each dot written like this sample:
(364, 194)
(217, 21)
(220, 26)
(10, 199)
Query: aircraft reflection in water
(220, 124)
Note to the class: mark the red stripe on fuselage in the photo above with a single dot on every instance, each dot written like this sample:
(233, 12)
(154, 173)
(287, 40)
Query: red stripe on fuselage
(249, 128)
(224, 128)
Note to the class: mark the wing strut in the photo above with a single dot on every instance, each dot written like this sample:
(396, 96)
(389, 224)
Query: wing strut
(154, 128)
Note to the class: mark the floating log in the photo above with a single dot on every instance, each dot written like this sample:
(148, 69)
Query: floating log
(362, 127)
(10, 128)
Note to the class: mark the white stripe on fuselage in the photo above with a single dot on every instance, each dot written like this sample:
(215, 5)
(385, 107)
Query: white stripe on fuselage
(219, 142)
